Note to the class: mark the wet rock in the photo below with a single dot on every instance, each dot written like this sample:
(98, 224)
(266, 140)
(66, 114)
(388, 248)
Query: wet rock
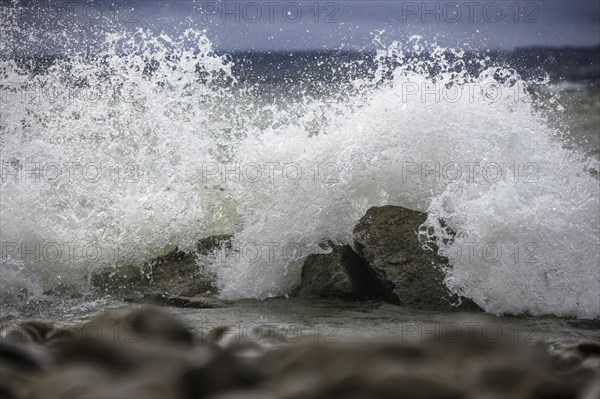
(548, 387)
(125, 342)
(66, 383)
(227, 336)
(593, 324)
(387, 239)
(339, 274)
(15, 335)
(160, 299)
(18, 365)
(592, 390)
(398, 386)
(324, 363)
(145, 324)
(65, 290)
(85, 382)
(355, 370)
(515, 380)
(60, 335)
(246, 394)
(573, 359)
(218, 333)
(502, 379)
(175, 274)
(21, 357)
(145, 387)
(210, 374)
(209, 245)
(97, 353)
(588, 349)
(118, 280)
(38, 330)
(29, 331)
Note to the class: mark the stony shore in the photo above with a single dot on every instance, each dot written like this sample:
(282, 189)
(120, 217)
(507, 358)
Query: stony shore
(142, 352)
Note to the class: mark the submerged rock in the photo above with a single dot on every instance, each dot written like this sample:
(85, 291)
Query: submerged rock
(176, 274)
(209, 245)
(387, 239)
(339, 274)
(160, 299)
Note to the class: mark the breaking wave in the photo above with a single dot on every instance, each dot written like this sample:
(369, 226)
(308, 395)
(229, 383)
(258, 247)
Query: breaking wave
(153, 142)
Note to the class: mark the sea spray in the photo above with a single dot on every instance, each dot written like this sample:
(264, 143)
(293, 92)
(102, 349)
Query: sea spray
(484, 163)
(153, 143)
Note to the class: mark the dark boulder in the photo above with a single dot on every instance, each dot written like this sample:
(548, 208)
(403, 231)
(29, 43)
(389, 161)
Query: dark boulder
(340, 274)
(387, 239)
(176, 274)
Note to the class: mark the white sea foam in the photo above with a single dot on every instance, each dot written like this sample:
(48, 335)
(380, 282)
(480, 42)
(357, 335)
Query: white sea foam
(160, 158)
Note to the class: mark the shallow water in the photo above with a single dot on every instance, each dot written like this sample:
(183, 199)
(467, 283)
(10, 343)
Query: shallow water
(332, 321)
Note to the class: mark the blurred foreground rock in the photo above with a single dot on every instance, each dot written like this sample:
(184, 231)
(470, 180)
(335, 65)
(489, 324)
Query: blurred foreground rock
(144, 353)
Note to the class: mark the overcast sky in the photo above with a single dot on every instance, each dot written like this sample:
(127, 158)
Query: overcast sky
(333, 24)
(297, 25)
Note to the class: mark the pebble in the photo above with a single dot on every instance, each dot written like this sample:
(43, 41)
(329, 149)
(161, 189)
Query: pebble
(144, 352)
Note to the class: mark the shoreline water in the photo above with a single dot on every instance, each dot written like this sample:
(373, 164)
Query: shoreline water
(343, 320)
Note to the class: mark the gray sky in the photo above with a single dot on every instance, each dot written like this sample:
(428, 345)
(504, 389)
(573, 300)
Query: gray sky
(302, 25)
(282, 25)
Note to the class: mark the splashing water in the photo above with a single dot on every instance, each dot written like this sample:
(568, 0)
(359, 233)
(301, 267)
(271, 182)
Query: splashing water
(153, 143)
